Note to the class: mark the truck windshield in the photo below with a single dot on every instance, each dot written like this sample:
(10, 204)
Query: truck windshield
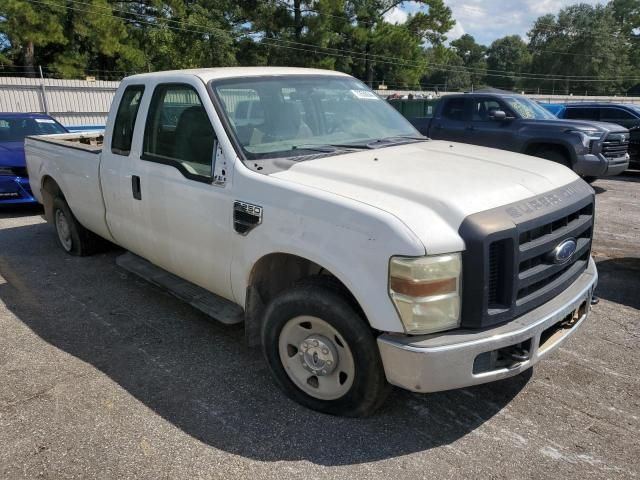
(526, 108)
(294, 115)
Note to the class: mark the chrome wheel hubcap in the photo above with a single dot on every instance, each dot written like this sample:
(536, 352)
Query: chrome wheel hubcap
(316, 357)
(64, 232)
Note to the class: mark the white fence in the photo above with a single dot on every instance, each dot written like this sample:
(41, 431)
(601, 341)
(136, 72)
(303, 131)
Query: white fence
(71, 102)
(86, 103)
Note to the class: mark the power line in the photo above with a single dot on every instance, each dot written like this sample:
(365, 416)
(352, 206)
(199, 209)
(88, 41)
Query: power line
(350, 53)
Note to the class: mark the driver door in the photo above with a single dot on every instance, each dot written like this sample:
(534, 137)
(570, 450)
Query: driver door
(488, 131)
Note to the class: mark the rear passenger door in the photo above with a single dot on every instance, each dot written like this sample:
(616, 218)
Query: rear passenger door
(452, 120)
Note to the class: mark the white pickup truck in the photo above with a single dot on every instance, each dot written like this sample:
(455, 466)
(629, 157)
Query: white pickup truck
(358, 253)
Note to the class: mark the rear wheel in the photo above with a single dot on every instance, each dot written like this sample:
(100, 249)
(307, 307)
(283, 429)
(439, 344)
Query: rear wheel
(72, 237)
(322, 353)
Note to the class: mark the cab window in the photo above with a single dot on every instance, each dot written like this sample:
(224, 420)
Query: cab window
(178, 132)
(582, 113)
(126, 120)
(454, 109)
(483, 108)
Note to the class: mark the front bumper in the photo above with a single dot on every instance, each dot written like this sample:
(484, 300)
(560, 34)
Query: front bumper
(459, 358)
(597, 165)
(15, 190)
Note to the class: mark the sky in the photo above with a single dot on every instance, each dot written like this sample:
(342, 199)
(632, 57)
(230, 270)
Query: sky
(488, 20)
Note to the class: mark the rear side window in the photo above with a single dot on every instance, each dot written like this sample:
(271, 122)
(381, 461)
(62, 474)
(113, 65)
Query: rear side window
(126, 120)
(454, 109)
(614, 115)
(178, 131)
(582, 113)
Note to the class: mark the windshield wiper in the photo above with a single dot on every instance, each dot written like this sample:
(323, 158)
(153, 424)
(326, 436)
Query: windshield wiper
(331, 147)
(399, 139)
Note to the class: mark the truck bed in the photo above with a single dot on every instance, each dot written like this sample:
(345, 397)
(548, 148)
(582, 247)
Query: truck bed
(91, 141)
(74, 160)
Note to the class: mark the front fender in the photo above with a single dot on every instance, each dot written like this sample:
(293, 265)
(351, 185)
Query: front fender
(351, 240)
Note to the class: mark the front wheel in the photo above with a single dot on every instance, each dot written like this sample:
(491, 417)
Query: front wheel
(322, 353)
(554, 155)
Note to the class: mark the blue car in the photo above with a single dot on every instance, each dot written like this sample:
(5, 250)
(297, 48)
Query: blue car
(14, 184)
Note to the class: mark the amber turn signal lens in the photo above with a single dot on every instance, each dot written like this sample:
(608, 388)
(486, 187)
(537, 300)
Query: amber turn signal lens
(410, 288)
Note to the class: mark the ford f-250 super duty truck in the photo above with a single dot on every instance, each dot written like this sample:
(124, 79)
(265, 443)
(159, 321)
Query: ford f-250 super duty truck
(357, 253)
(516, 123)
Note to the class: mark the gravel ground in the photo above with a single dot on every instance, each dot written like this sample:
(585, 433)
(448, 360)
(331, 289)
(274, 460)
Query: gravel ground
(105, 376)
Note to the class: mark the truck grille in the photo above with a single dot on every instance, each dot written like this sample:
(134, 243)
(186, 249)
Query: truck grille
(615, 145)
(510, 266)
(536, 269)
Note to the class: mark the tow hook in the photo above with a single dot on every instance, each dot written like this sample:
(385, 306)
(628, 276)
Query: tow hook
(516, 354)
(595, 300)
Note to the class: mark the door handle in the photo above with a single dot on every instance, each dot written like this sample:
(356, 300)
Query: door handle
(135, 187)
(471, 129)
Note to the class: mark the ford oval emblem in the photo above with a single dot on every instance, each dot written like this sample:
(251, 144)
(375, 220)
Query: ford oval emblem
(564, 251)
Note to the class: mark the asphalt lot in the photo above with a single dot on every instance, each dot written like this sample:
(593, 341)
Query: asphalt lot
(105, 376)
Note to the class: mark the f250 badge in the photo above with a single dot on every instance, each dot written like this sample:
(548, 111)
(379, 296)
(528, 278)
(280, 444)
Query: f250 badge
(246, 216)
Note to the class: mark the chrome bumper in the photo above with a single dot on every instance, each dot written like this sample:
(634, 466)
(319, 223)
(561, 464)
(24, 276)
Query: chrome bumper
(446, 361)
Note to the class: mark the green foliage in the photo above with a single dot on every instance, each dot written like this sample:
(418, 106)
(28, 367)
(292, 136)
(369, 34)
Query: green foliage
(473, 56)
(581, 41)
(110, 38)
(507, 54)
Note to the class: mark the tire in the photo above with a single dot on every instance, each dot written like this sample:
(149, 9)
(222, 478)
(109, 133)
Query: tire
(341, 351)
(72, 237)
(555, 156)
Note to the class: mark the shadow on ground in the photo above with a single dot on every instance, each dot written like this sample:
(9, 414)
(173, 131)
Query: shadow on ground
(198, 375)
(16, 211)
(619, 281)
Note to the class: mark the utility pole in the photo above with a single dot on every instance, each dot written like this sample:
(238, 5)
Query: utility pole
(43, 92)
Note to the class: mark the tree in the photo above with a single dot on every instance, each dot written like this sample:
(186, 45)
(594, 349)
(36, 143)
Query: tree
(28, 27)
(507, 57)
(445, 70)
(582, 41)
(473, 56)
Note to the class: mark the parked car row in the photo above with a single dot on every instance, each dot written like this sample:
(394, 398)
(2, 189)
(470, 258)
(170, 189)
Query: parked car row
(514, 122)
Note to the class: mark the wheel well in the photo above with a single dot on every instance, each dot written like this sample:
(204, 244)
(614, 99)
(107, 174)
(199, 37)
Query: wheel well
(273, 274)
(50, 190)
(535, 148)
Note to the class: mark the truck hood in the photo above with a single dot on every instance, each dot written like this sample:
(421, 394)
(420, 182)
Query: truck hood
(573, 124)
(431, 186)
(12, 154)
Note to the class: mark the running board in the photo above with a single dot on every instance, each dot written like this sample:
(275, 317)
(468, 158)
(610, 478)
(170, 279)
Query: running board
(209, 303)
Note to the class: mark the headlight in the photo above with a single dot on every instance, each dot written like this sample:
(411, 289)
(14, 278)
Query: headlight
(588, 133)
(426, 291)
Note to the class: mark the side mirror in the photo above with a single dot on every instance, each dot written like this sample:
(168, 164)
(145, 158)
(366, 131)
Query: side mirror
(498, 115)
